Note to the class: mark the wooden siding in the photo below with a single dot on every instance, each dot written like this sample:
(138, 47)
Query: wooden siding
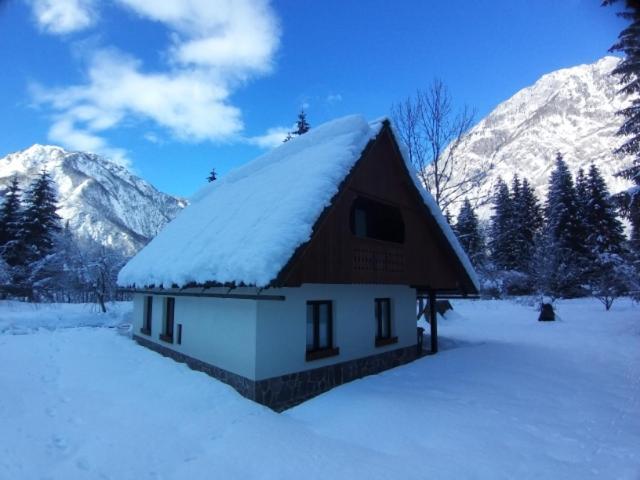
(335, 255)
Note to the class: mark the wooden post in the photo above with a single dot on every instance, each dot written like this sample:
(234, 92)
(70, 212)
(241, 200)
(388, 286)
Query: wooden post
(433, 321)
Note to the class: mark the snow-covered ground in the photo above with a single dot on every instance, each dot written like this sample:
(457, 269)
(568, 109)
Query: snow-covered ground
(507, 397)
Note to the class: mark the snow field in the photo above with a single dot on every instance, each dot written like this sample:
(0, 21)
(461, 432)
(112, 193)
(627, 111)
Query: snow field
(507, 397)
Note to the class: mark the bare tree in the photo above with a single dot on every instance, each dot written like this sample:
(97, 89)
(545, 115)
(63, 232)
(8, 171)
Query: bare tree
(433, 132)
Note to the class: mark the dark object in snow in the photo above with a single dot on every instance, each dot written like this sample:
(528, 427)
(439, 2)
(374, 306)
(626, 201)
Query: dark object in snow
(546, 313)
(443, 306)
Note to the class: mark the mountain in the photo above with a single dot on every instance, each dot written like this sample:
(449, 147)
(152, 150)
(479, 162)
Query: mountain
(571, 111)
(101, 200)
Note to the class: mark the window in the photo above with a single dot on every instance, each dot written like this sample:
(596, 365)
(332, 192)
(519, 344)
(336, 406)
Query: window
(320, 330)
(383, 322)
(147, 315)
(371, 219)
(169, 311)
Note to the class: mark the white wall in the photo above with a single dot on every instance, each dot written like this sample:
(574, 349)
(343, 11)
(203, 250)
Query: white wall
(219, 331)
(281, 329)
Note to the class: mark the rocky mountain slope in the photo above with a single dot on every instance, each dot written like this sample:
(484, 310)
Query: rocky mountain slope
(571, 111)
(100, 199)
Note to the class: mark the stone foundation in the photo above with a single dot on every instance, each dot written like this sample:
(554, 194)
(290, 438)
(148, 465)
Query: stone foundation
(286, 391)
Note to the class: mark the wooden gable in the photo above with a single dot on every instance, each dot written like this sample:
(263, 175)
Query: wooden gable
(336, 255)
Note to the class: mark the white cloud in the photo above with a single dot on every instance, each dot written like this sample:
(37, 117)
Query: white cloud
(274, 137)
(64, 16)
(334, 98)
(215, 45)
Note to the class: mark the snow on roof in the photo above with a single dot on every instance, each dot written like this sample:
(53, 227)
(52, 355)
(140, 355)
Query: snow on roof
(244, 227)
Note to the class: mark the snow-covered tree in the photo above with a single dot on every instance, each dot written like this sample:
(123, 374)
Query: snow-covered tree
(468, 231)
(609, 271)
(563, 244)
(527, 226)
(628, 73)
(10, 213)
(40, 221)
(502, 228)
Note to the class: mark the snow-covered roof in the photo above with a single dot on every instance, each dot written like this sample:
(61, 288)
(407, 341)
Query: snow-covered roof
(244, 227)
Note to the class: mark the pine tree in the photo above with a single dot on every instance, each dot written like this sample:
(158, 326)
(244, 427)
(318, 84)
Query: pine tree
(564, 232)
(10, 214)
(608, 272)
(501, 227)
(582, 194)
(212, 176)
(528, 222)
(302, 126)
(468, 232)
(628, 73)
(40, 221)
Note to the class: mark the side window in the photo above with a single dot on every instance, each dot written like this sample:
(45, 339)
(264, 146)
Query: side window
(384, 323)
(147, 315)
(168, 321)
(320, 330)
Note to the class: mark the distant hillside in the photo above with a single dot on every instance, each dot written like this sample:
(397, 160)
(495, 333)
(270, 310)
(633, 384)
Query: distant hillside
(100, 199)
(572, 111)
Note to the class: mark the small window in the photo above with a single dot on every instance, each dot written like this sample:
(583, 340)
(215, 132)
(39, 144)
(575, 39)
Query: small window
(371, 219)
(147, 315)
(383, 322)
(320, 330)
(169, 312)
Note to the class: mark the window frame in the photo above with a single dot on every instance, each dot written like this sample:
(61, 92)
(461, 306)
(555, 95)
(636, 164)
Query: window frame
(367, 215)
(382, 340)
(318, 352)
(147, 315)
(169, 319)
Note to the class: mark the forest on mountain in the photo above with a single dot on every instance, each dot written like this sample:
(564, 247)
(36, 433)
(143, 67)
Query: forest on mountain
(41, 260)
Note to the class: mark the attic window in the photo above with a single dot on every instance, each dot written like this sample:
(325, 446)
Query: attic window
(371, 219)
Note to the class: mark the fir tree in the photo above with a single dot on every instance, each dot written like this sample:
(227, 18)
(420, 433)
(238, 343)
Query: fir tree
(582, 194)
(302, 126)
(628, 73)
(468, 232)
(10, 213)
(40, 221)
(212, 176)
(608, 272)
(501, 227)
(528, 224)
(605, 231)
(564, 232)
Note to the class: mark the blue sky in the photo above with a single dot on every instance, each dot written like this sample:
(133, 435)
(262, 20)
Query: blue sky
(177, 87)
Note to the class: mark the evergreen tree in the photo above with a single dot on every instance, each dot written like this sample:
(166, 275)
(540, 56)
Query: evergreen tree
(501, 228)
(212, 176)
(10, 214)
(468, 232)
(528, 223)
(582, 194)
(40, 221)
(608, 272)
(628, 73)
(605, 231)
(302, 126)
(564, 232)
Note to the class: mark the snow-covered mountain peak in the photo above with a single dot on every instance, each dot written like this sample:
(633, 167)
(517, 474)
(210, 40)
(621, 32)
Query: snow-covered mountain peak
(100, 199)
(572, 111)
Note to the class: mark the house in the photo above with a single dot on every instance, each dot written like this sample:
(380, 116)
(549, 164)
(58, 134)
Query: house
(299, 271)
